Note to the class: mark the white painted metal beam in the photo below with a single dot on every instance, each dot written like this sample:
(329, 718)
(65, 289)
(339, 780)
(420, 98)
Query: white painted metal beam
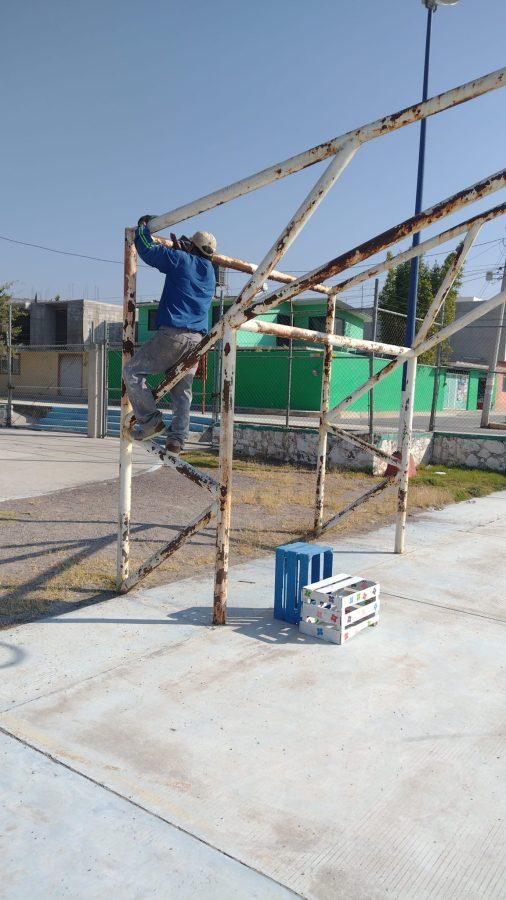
(368, 132)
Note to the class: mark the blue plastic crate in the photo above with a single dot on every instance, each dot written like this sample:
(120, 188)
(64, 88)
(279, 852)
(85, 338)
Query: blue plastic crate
(297, 564)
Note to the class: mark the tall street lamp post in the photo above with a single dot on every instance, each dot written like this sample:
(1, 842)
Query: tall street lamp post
(431, 6)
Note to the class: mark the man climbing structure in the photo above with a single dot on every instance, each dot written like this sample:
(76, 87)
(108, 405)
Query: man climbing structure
(181, 321)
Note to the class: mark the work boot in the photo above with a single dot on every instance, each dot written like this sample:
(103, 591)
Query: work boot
(172, 445)
(146, 432)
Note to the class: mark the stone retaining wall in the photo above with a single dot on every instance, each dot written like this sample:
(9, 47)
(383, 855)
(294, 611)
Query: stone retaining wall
(298, 445)
(475, 452)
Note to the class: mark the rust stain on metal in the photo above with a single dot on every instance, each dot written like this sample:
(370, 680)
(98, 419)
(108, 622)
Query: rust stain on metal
(226, 395)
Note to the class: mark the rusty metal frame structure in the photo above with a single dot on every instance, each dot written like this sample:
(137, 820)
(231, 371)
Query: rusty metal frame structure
(248, 306)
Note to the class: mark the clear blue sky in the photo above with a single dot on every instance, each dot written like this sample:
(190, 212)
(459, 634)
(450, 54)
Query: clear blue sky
(111, 110)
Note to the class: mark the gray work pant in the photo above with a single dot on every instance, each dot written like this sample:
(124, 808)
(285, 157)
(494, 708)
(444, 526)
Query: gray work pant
(161, 352)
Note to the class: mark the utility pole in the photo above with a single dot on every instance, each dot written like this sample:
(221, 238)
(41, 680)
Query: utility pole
(489, 385)
(8, 420)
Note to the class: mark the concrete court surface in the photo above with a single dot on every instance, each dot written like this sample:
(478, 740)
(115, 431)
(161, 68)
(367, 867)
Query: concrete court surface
(454, 421)
(375, 770)
(38, 462)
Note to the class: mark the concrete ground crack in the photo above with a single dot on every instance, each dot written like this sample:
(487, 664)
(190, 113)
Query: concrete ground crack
(454, 609)
(140, 807)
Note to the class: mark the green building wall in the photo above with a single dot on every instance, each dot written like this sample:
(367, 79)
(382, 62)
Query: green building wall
(262, 381)
(353, 326)
(262, 370)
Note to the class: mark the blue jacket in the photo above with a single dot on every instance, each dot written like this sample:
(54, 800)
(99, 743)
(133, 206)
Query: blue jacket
(189, 284)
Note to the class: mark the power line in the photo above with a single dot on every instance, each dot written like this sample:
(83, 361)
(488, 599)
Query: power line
(63, 252)
(120, 262)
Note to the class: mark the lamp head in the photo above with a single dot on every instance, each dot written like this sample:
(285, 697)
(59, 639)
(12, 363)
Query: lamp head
(433, 4)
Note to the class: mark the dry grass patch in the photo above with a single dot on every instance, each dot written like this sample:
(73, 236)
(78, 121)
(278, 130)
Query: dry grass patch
(60, 550)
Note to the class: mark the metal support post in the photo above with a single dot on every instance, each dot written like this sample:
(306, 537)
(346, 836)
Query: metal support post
(371, 359)
(10, 386)
(321, 452)
(125, 465)
(105, 382)
(435, 389)
(406, 431)
(225, 480)
(489, 384)
(290, 366)
(93, 387)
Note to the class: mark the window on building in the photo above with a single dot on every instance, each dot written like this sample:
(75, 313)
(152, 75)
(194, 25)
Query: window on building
(215, 311)
(152, 319)
(22, 324)
(282, 319)
(317, 323)
(16, 364)
(60, 325)
(504, 383)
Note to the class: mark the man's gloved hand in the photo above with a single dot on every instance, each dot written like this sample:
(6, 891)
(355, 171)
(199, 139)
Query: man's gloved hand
(175, 243)
(145, 220)
(185, 243)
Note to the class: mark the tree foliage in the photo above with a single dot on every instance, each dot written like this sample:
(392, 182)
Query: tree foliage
(17, 314)
(5, 298)
(394, 297)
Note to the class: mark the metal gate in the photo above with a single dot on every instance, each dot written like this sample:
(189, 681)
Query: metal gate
(456, 389)
(47, 389)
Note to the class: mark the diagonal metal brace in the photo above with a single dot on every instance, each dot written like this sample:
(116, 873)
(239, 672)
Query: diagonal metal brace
(355, 503)
(155, 559)
(360, 442)
(181, 466)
